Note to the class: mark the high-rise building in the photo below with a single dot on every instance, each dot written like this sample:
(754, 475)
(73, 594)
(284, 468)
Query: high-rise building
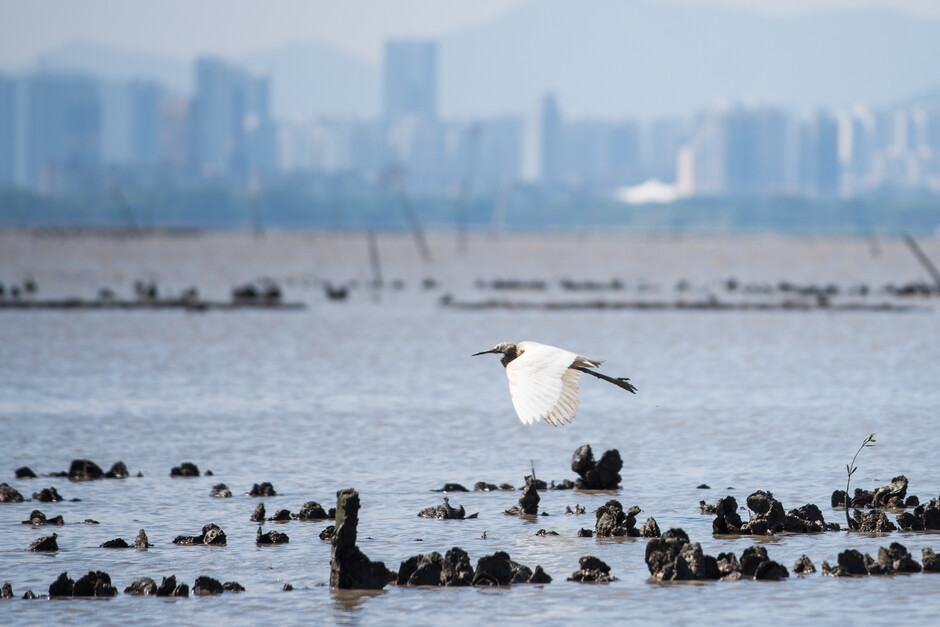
(819, 156)
(410, 80)
(130, 127)
(7, 129)
(551, 140)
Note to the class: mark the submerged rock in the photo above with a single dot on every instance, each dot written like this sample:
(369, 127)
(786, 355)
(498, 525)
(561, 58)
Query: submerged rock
(592, 570)
(924, 517)
(768, 517)
(891, 560)
(46, 543)
(61, 587)
(142, 543)
(233, 586)
(48, 495)
(207, 585)
(727, 520)
(482, 486)
(94, 584)
(25, 472)
(311, 510)
(281, 515)
(452, 487)
(931, 561)
(144, 586)
(169, 588)
(327, 533)
(84, 470)
(211, 534)
(6, 592)
(444, 512)
(38, 519)
(499, 570)
(186, 469)
(8, 494)
(529, 501)
(271, 537)
(874, 521)
(220, 491)
(601, 475)
(118, 471)
(262, 489)
(29, 595)
(350, 569)
(803, 566)
(421, 570)
(117, 543)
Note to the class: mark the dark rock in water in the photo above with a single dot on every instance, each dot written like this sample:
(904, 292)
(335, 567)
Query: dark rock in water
(546, 532)
(911, 501)
(118, 471)
(539, 576)
(142, 543)
(506, 487)
(117, 543)
(585, 533)
(262, 489)
(728, 566)
(456, 569)
(94, 584)
(287, 587)
(421, 570)
(47, 543)
(327, 534)
(207, 585)
(220, 491)
(894, 559)
(612, 521)
(25, 472)
(931, 561)
(673, 558)
(751, 558)
(592, 570)
(851, 563)
(7, 591)
(90, 521)
(281, 515)
(704, 486)
(707, 509)
(233, 586)
(600, 475)
(452, 487)
(9, 495)
(770, 570)
(768, 516)
(271, 537)
(528, 502)
(499, 570)
(186, 469)
(650, 529)
(144, 586)
(168, 588)
(350, 569)
(311, 510)
(803, 566)
(807, 519)
(874, 521)
(892, 495)
(482, 486)
(566, 484)
(258, 515)
(61, 587)
(84, 470)
(838, 499)
(577, 511)
(727, 520)
(922, 518)
(29, 595)
(211, 535)
(443, 512)
(37, 518)
(48, 495)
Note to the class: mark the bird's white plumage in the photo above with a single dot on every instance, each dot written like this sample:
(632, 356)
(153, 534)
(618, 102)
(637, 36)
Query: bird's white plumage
(542, 384)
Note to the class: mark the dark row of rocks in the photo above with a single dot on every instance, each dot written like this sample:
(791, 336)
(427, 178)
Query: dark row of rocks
(603, 474)
(768, 517)
(8, 494)
(445, 512)
(529, 501)
(80, 470)
(892, 496)
(311, 510)
(923, 517)
(38, 519)
(211, 534)
(271, 537)
(673, 557)
(891, 560)
(141, 543)
(98, 584)
(592, 570)
(454, 569)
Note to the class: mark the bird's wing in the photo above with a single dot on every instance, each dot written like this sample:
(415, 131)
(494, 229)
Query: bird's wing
(542, 385)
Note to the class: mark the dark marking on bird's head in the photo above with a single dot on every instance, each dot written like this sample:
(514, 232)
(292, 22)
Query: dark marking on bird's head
(507, 349)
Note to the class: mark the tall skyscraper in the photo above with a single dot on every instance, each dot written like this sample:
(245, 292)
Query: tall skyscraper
(550, 141)
(410, 80)
(819, 156)
(7, 129)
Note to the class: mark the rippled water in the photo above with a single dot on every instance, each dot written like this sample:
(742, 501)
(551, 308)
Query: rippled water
(379, 393)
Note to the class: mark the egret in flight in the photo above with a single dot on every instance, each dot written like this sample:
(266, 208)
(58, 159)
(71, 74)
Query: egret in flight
(543, 380)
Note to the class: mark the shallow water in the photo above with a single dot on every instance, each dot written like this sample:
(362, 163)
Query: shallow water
(379, 393)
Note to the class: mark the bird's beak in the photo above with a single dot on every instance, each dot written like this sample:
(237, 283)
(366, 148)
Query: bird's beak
(483, 352)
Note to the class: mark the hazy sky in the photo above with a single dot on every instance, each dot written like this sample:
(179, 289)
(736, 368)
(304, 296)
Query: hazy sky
(185, 28)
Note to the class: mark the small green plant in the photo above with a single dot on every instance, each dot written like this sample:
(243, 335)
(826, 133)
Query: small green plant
(850, 470)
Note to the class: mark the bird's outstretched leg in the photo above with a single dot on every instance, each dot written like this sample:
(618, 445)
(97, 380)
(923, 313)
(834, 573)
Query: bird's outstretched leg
(622, 382)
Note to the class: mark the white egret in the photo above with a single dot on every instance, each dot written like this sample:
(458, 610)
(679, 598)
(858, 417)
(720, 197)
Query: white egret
(543, 380)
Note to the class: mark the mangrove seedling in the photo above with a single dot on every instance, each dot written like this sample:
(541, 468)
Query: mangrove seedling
(850, 470)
